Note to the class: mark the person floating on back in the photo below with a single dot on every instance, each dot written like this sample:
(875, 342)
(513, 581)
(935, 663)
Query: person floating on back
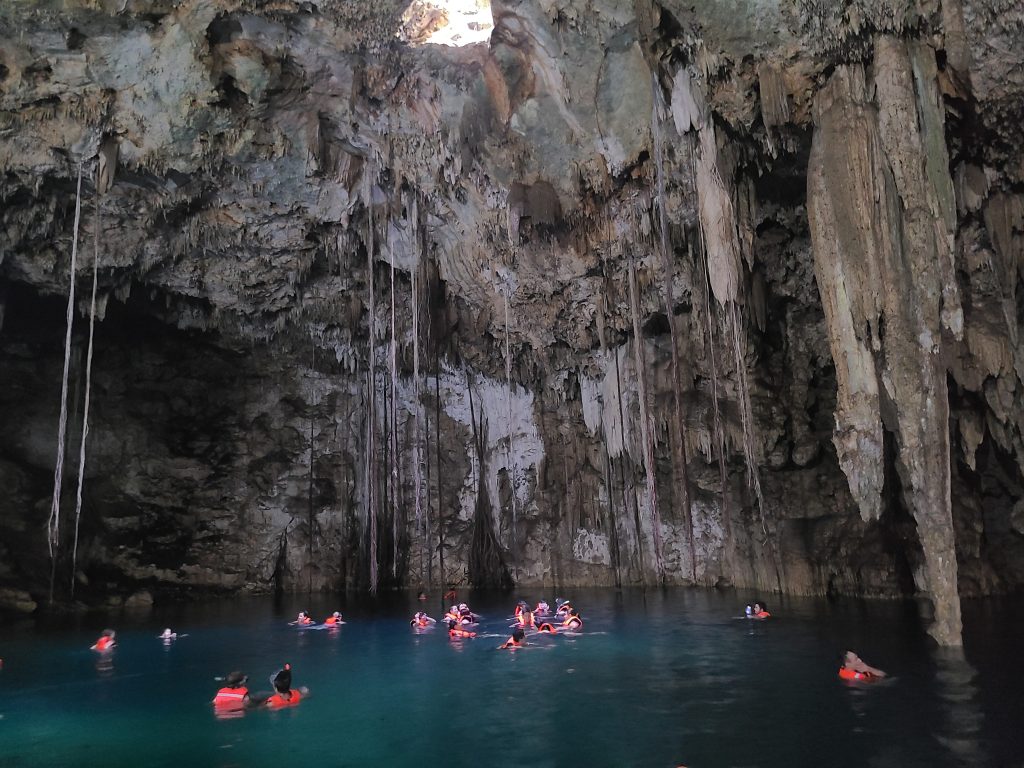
(233, 697)
(854, 668)
(518, 640)
(334, 620)
(106, 642)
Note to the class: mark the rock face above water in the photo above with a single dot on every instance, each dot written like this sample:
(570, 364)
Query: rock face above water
(720, 293)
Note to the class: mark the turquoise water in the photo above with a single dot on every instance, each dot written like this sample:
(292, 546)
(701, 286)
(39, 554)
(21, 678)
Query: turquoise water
(655, 679)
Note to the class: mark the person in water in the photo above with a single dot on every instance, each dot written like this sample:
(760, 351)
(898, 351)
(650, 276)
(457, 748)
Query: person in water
(455, 631)
(234, 696)
(760, 611)
(284, 695)
(542, 609)
(854, 668)
(421, 620)
(167, 635)
(525, 619)
(564, 607)
(302, 620)
(547, 628)
(518, 640)
(106, 642)
(573, 620)
(334, 620)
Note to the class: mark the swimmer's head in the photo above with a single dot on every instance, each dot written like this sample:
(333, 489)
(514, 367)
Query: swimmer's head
(518, 635)
(337, 615)
(235, 680)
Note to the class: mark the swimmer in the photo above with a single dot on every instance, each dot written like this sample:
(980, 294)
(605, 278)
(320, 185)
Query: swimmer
(564, 607)
(302, 620)
(234, 696)
(525, 619)
(453, 614)
(517, 640)
(457, 632)
(106, 642)
(573, 620)
(760, 611)
(284, 695)
(542, 608)
(854, 668)
(422, 621)
(167, 635)
(334, 620)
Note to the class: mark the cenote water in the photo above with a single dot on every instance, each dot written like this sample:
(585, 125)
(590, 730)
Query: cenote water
(655, 679)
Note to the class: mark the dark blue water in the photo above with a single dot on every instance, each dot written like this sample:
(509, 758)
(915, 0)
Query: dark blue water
(655, 679)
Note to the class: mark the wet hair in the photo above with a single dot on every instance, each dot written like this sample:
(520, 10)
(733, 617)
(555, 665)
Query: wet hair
(518, 635)
(761, 604)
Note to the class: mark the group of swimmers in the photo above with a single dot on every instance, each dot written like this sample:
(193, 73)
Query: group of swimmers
(305, 620)
(234, 697)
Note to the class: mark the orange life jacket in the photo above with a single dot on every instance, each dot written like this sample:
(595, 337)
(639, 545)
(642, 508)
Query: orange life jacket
(230, 698)
(456, 632)
(105, 643)
(762, 615)
(546, 627)
(277, 701)
(852, 674)
(331, 621)
(571, 620)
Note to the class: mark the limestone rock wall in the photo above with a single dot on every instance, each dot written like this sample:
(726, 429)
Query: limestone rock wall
(732, 288)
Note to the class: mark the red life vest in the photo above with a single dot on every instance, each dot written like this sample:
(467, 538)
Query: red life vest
(105, 643)
(762, 615)
(278, 701)
(230, 698)
(456, 632)
(852, 674)
(331, 621)
(546, 627)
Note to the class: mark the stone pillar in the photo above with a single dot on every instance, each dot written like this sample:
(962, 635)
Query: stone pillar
(882, 225)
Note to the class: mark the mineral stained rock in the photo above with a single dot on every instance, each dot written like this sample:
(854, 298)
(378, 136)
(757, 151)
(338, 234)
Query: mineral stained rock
(800, 248)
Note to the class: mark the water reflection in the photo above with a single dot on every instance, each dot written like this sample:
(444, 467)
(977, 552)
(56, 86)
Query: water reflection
(957, 688)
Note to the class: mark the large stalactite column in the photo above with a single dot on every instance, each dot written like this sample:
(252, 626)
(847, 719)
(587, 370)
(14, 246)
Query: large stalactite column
(882, 224)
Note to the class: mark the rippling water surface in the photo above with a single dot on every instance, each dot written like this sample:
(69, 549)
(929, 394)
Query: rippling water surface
(655, 679)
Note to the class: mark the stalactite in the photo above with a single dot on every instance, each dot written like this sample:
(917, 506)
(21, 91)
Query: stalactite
(309, 571)
(53, 524)
(636, 501)
(486, 565)
(88, 382)
(371, 417)
(511, 451)
(674, 335)
(645, 425)
(437, 456)
(393, 428)
(417, 469)
(709, 318)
